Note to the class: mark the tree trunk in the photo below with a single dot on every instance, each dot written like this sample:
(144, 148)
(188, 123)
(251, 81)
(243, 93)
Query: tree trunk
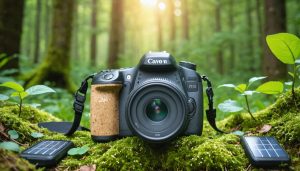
(231, 29)
(93, 55)
(249, 35)
(75, 34)
(260, 30)
(56, 65)
(185, 20)
(219, 29)
(37, 31)
(159, 30)
(275, 22)
(47, 21)
(172, 25)
(116, 33)
(11, 20)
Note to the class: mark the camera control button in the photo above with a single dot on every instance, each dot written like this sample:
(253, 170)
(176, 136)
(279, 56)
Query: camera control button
(108, 76)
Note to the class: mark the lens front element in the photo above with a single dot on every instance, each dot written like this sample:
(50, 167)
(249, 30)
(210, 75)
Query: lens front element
(156, 110)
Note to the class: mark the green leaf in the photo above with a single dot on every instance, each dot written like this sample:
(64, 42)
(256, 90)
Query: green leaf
(289, 83)
(78, 151)
(35, 105)
(291, 74)
(37, 135)
(227, 85)
(249, 93)
(253, 79)
(297, 61)
(13, 134)
(241, 88)
(73, 151)
(238, 133)
(13, 85)
(39, 89)
(285, 46)
(230, 106)
(22, 95)
(83, 150)
(10, 146)
(3, 97)
(271, 87)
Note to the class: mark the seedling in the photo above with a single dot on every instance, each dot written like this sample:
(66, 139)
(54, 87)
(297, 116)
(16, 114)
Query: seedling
(286, 48)
(271, 87)
(20, 92)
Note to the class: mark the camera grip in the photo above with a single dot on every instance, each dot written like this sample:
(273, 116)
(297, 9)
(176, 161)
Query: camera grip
(105, 111)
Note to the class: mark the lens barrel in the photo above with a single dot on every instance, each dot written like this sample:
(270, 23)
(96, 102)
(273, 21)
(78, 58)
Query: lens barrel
(157, 111)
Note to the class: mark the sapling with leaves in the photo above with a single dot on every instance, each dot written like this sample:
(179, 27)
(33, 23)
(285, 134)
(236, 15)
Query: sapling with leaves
(21, 93)
(286, 48)
(231, 106)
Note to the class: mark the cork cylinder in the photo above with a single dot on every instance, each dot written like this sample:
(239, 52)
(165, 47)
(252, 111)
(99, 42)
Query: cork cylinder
(105, 111)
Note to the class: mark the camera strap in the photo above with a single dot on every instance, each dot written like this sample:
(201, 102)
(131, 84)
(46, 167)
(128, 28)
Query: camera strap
(211, 111)
(78, 105)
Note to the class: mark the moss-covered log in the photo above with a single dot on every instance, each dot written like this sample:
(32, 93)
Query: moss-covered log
(211, 151)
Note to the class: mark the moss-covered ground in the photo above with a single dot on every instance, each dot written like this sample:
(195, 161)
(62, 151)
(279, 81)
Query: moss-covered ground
(211, 151)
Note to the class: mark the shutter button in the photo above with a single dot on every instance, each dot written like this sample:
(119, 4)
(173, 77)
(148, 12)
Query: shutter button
(108, 76)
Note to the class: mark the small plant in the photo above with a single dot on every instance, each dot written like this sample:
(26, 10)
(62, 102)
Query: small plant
(20, 92)
(37, 135)
(271, 87)
(79, 150)
(9, 145)
(286, 48)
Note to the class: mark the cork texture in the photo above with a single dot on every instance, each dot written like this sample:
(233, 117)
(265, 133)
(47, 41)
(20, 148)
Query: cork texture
(105, 109)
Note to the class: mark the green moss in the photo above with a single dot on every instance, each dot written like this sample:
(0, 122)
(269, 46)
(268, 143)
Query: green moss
(202, 153)
(211, 151)
(11, 161)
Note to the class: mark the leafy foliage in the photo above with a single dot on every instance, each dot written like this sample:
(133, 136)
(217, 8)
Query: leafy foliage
(286, 48)
(271, 87)
(22, 93)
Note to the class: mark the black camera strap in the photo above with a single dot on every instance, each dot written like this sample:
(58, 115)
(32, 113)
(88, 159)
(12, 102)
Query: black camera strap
(211, 111)
(68, 128)
(78, 105)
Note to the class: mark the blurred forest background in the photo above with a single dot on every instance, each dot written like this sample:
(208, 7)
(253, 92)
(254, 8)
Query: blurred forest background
(59, 42)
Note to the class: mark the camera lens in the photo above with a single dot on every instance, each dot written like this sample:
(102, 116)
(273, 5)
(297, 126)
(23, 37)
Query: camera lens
(157, 110)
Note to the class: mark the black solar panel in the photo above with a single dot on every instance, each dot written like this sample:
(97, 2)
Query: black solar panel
(47, 152)
(46, 148)
(264, 151)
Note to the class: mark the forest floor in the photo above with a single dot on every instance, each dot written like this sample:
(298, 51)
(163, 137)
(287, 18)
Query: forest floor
(211, 151)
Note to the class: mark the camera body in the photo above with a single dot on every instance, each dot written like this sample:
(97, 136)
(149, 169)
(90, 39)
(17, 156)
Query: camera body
(157, 100)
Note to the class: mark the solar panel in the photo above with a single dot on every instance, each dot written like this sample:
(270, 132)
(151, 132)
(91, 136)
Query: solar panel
(47, 152)
(264, 151)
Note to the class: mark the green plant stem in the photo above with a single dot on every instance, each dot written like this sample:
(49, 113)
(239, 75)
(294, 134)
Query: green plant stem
(248, 108)
(20, 106)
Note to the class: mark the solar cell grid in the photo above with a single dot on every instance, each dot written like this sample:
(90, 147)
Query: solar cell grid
(264, 151)
(46, 148)
(265, 147)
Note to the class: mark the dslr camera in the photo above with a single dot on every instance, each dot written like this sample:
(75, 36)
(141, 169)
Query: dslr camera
(157, 100)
